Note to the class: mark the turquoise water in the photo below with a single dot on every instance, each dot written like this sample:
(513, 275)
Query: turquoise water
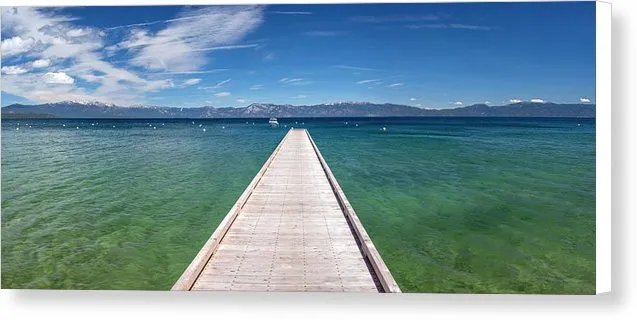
(453, 205)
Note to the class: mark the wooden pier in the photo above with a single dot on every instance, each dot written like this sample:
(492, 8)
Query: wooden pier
(292, 229)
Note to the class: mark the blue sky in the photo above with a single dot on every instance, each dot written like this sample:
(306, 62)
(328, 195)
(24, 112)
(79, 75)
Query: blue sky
(433, 55)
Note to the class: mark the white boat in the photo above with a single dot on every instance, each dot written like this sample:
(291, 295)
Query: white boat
(273, 122)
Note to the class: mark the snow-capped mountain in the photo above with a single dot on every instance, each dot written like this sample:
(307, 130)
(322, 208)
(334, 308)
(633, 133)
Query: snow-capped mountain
(96, 109)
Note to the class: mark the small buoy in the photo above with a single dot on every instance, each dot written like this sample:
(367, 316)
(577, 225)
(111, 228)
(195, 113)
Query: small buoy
(93, 124)
(357, 124)
(17, 128)
(246, 122)
(223, 127)
(253, 123)
(579, 124)
(204, 130)
(29, 126)
(64, 125)
(162, 124)
(199, 126)
(296, 122)
(346, 122)
(154, 128)
(113, 126)
(384, 129)
(193, 122)
(78, 128)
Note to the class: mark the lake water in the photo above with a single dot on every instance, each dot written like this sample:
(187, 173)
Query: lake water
(489, 205)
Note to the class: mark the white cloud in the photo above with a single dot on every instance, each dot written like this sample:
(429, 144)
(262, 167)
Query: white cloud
(241, 100)
(458, 103)
(469, 27)
(221, 83)
(290, 80)
(222, 94)
(412, 99)
(515, 100)
(584, 100)
(256, 87)
(299, 96)
(57, 78)
(41, 63)
(487, 102)
(353, 68)
(51, 37)
(322, 33)
(292, 12)
(374, 81)
(538, 100)
(16, 45)
(395, 85)
(77, 32)
(191, 82)
(180, 45)
(14, 70)
(394, 18)
(293, 81)
(196, 72)
(238, 46)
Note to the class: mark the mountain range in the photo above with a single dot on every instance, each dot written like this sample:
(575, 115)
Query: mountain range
(94, 109)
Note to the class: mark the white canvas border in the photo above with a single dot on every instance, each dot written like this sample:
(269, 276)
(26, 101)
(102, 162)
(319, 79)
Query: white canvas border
(100, 304)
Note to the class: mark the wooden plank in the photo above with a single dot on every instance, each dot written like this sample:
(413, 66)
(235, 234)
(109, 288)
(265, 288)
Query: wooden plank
(191, 273)
(383, 273)
(288, 232)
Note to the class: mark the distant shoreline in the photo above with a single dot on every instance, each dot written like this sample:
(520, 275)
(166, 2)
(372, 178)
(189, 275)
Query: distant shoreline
(10, 116)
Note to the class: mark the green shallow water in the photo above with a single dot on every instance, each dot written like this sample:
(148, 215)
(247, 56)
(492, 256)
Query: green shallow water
(453, 205)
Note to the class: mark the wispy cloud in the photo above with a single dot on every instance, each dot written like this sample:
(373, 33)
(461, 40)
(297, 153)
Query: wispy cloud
(299, 96)
(47, 36)
(256, 87)
(153, 22)
(294, 81)
(241, 100)
(515, 100)
(346, 67)
(584, 100)
(14, 70)
(221, 83)
(470, 27)
(322, 33)
(180, 46)
(292, 12)
(190, 82)
(290, 80)
(537, 100)
(195, 72)
(371, 81)
(394, 18)
(393, 85)
(238, 46)
(223, 94)
(450, 26)
(458, 103)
